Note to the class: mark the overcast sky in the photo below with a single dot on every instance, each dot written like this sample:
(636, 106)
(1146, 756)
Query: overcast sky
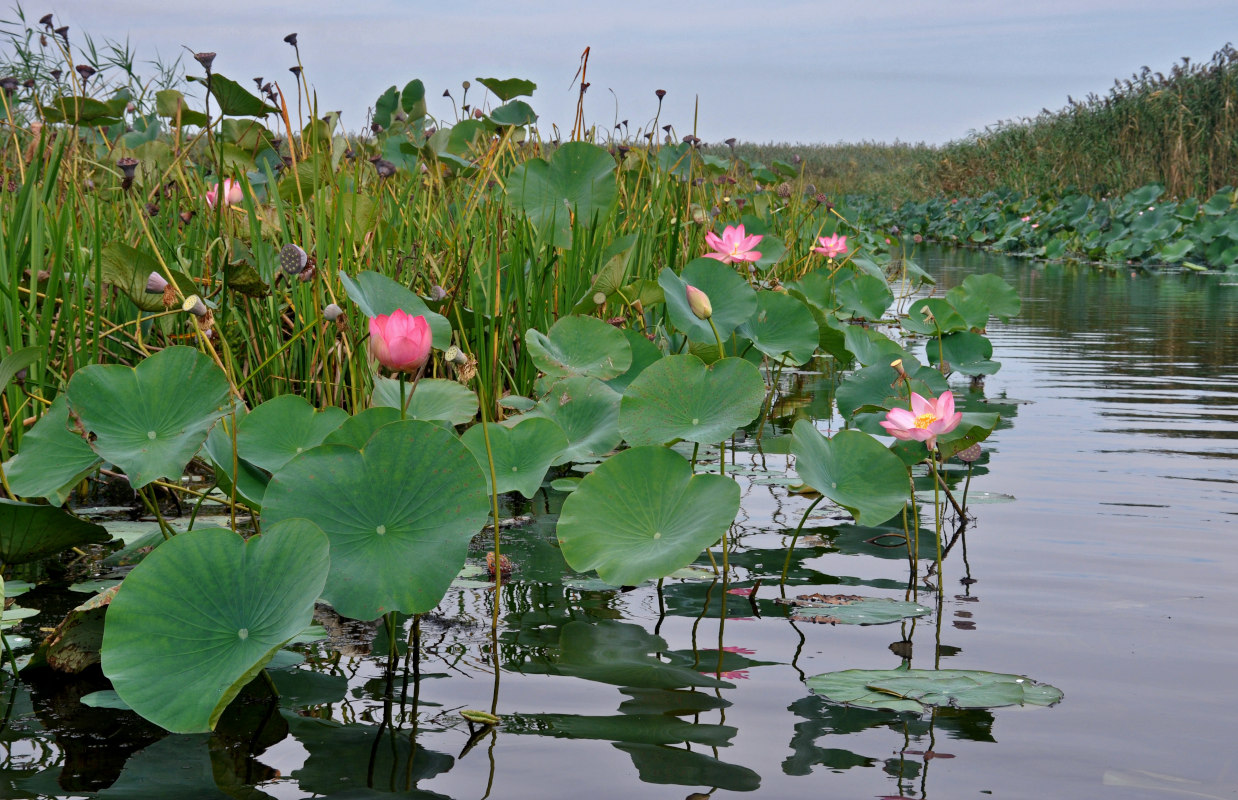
(778, 71)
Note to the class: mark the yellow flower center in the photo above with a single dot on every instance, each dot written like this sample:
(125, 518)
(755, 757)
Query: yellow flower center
(924, 420)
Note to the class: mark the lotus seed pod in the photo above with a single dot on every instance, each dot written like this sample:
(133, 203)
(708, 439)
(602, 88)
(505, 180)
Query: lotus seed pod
(292, 259)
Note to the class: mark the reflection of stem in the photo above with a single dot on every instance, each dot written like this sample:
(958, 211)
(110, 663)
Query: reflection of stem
(936, 514)
(786, 565)
(661, 608)
(799, 648)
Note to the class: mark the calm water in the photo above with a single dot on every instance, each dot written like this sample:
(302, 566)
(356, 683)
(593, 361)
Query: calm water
(1112, 574)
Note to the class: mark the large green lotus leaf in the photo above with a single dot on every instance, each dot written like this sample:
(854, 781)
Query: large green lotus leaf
(1002, 299)
(281, 428)
(399, 514)
(251, 484)
(642, 514)
(507, 88)
(782, 327)
(30, 532)
(358, 428)
(522, 452)
(678, 397)
(209, 605)
(965, 352)
(580, 346)
(917, 690)
(853, 610)
(234, 100)
(933, 316)
(576, 185)
(974, 310)
(853, 469)
(615, 653)
(733, 301)
(880, 385)
(435, 399)
(53, 459)
(128, 268)
(864, 295)
(871, 347)
(678, 767)
(150, 420)
(644, 353)
(587, 411)
(376, 294)
(818, 289)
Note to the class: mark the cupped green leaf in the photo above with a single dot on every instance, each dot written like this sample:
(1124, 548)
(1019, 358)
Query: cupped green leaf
(642, 514)
(575, 187)
(871, 347)
(283, 427)
(587, 411)
(376, 294)
(517, 112)
(399, 514)
(234, 100)
(1001, 298)
(508, 88)
(150, 420)
(864, 295)
(965, 352)
(171, 103)
(782, 328)
(53, 459)
(853, 469)
(249, 480)
(580, 346)
(211, 605)
(933, 316)
(678, 397)
(30, 532)
(917, 690)
(644, 353)
(435, 399)
(732, 299)
(522, 452)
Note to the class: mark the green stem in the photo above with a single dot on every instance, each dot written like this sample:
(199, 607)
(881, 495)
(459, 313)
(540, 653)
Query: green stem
(714, 328)
(786, 565)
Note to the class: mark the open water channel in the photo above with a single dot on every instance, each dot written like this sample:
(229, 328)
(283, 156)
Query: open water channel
(1102, 560)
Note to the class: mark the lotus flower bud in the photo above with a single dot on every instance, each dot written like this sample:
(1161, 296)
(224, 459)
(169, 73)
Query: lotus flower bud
(156, 283)
(698, 301)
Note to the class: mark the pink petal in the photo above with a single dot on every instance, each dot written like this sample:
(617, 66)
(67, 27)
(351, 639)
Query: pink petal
(920, 406)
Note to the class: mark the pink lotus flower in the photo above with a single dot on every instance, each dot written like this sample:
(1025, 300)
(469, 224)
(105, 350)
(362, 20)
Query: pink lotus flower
(733, 245)
(743, 651)
(400, 342)
(1025, 219)
(698, 301)
(832, 246)
(232, 193)
(926, 420)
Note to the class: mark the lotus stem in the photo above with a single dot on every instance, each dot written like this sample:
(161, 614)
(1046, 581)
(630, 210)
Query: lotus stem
(714, 328)
(786, 565)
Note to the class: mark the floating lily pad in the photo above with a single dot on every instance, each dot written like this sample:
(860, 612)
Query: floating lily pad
(642, 515)
(399, 514)
(864, 295)
(917, 690)
(210, 604)
(150, 420)
(678, 397)
(841, 609)
(580, 346)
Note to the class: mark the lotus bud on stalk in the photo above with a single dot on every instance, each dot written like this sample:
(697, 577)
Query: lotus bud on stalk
(232, 193)
(698, 301)
(400, 341)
